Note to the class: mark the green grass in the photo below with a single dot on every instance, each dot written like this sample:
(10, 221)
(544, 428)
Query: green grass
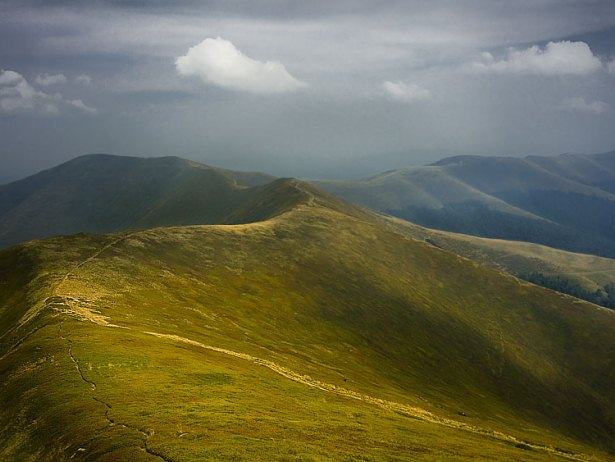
(589, 273)
(256, 415)
(334, 296)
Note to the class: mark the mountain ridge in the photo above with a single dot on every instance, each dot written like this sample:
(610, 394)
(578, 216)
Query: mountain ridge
(104, 193)
(339, 299)
(565, 202)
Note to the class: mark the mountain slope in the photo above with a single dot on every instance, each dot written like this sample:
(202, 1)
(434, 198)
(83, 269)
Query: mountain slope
(566, 202)
(318, 334)
(585, 276)
(103, 193)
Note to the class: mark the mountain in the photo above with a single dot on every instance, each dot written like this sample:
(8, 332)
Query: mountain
(102, 193)
(567, 202)
(584, 276)
(317, 331)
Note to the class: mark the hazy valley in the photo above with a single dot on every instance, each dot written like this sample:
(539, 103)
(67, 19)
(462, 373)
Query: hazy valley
(565, 201)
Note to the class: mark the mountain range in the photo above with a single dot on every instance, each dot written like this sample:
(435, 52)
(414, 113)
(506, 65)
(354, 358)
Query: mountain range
(288, 325)
(567, 201)
(316, 331)
(103, 193)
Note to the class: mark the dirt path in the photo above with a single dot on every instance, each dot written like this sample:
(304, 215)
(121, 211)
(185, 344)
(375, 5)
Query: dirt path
(90, 258)
(405, 409)
(35, 310)
(412, 411)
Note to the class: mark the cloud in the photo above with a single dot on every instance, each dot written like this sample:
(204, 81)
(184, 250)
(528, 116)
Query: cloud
(405, 92)
(50, 79)
(579, 104)
(611, 66)
(83, 79)
(81, 106)
(557, 58)
(18, 96)
(218, 62)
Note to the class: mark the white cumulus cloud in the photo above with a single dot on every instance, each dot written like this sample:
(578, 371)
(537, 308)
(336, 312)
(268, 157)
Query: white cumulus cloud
(50, 79)
(219, 62)
(556, 58)
(580, 104)
(18, 96)
(405, 92)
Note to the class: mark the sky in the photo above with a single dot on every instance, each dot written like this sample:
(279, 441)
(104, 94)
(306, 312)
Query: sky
(312, 89)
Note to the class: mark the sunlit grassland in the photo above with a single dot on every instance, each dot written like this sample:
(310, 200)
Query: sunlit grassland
(333, 296)
(194, 405)
(587, 273)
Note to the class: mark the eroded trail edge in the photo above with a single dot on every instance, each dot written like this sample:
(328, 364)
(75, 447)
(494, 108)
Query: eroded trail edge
(412, 411)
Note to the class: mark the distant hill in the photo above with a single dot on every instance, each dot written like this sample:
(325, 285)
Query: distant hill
(103, 193)
(567, 202)
(322, 332)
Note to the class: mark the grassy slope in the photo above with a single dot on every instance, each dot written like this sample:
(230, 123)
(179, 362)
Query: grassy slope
(334, 296)
(102, 193)
(518, 258)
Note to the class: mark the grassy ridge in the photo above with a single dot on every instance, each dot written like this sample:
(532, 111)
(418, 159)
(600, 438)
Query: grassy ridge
(336, 297)
(103, 193)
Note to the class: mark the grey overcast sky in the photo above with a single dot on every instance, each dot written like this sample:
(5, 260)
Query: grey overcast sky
(320, 88)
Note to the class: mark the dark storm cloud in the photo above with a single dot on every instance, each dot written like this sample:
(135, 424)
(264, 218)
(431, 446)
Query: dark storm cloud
(591, 10)
(383, 81)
